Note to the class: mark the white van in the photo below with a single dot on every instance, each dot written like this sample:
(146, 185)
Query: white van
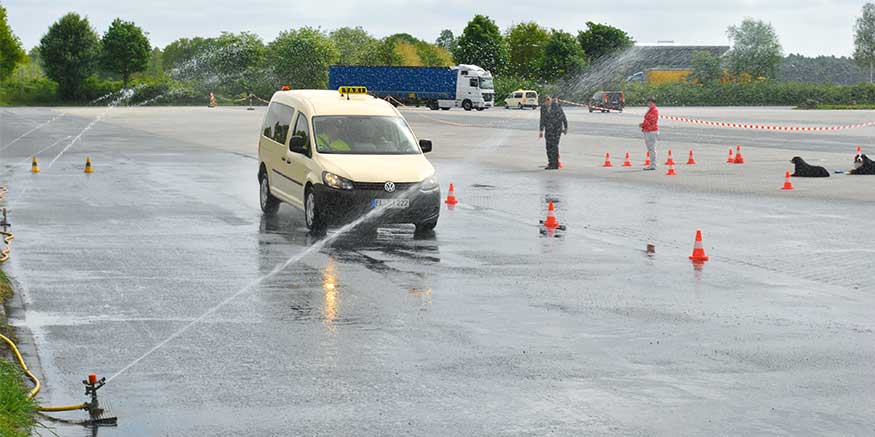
(339, 154)
(520, 99)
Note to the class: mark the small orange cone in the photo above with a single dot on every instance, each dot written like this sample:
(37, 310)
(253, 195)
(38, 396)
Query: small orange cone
(787, 184)
(559, 162)
(859, 150)
(698, 250)
(670, 160)
(88, 168)
(451, 196)
(691, 161)
(34, 167)
(671, 171)
(551, 222)
(607, 161)
(731, 159)
(738, 158)
(627, 162)
(647, 161)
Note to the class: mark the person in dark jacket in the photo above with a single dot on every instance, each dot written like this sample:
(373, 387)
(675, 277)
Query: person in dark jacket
(553, 125)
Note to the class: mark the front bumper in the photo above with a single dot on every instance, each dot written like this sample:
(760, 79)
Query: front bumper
(344, 206)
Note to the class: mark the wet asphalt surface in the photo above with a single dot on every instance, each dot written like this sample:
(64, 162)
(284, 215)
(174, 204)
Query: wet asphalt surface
(485, 327)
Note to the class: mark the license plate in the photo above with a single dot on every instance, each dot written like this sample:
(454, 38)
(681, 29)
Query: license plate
(390, 203)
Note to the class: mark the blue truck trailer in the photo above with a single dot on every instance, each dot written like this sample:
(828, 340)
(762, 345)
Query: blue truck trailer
(464, 86)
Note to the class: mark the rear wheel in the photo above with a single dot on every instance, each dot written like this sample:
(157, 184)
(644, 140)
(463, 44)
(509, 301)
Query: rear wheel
(269, 204)
(433, 106)
(312, 213)
(445, 109)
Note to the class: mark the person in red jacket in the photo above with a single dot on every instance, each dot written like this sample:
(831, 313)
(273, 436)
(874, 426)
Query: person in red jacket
(650, 129)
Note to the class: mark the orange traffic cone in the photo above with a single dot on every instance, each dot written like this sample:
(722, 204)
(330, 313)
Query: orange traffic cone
(698, 251)
(691, 161)
(627, 162)
(88, 168)
(551, 222)
(647, 161)
(671, 171)
(34, 167)
(738, 158)
(731, 159)
(787, 184)
(607, 161)
(670, 160)
(451, 196)
(859, 150)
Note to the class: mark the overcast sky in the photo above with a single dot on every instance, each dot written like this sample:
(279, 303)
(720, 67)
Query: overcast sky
(809, 27)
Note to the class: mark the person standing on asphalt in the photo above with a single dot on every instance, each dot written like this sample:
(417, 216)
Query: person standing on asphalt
(553, 125)
(650, 129)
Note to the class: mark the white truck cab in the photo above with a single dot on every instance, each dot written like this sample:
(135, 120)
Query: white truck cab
(340, 154)
(474, 89)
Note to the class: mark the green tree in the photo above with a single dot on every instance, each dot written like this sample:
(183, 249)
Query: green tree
(355, 46)
(156, 63)
(481, 44)
(525, 43)
(446, 40)
(70, 51)
(181, 54)
(600, 39)
(755, 49)
(562, 56)
(300, 58)
(11, 53)
(706, 68)
(864, 40)
(125, 49)
(430, 55)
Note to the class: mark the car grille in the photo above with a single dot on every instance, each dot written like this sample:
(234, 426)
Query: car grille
(380, 186)
(488, 97)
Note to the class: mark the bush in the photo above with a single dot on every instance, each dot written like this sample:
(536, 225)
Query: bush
(755, 93)
(37, 91)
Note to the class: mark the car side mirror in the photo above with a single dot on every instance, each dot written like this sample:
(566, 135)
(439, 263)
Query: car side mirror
(425, 145)
(298, 144)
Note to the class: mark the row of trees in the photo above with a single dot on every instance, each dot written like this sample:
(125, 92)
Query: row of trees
(531, 52)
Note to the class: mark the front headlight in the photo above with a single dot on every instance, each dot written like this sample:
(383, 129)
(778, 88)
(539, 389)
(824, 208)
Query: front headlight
(429, 184)
(335, 181)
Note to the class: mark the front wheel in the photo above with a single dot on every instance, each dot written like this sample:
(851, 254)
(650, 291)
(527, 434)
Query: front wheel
(467, 105)
(312, 213)
(269, 204)
(519, 106)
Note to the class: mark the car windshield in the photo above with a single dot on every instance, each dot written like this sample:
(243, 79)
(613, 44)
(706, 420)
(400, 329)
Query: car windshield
(363, 135)
(486, 83)
(531, 95)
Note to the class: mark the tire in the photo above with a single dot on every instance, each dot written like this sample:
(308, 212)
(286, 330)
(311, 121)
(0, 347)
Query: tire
(590, 110)
(433, 106)
(480, 109)
(506, 106)
(445, 109)
(426, 226)
(269, 204)
(519, 106)
(467, 105)
(313, 216)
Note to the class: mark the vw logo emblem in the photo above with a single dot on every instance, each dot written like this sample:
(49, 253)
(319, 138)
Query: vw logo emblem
(389, 187)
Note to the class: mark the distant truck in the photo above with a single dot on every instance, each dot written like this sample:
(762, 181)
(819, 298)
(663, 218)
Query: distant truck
(606, 101)
(656, 76)
(464, 86)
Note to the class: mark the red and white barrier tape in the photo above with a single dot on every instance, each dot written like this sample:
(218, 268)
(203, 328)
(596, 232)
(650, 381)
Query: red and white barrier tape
(745, 125)
(766, 126)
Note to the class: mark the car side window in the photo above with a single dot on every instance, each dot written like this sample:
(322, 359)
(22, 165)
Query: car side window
(277, 122)
(531, 95)
(474, 83)
(302, 129)
(517, 95)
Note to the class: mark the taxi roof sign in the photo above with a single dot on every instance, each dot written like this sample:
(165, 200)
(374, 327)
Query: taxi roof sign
(347, 90)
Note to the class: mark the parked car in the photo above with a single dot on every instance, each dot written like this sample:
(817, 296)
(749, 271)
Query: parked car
(521, 99)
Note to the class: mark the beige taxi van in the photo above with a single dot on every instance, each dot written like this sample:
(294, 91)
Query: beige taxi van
(338, 155)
